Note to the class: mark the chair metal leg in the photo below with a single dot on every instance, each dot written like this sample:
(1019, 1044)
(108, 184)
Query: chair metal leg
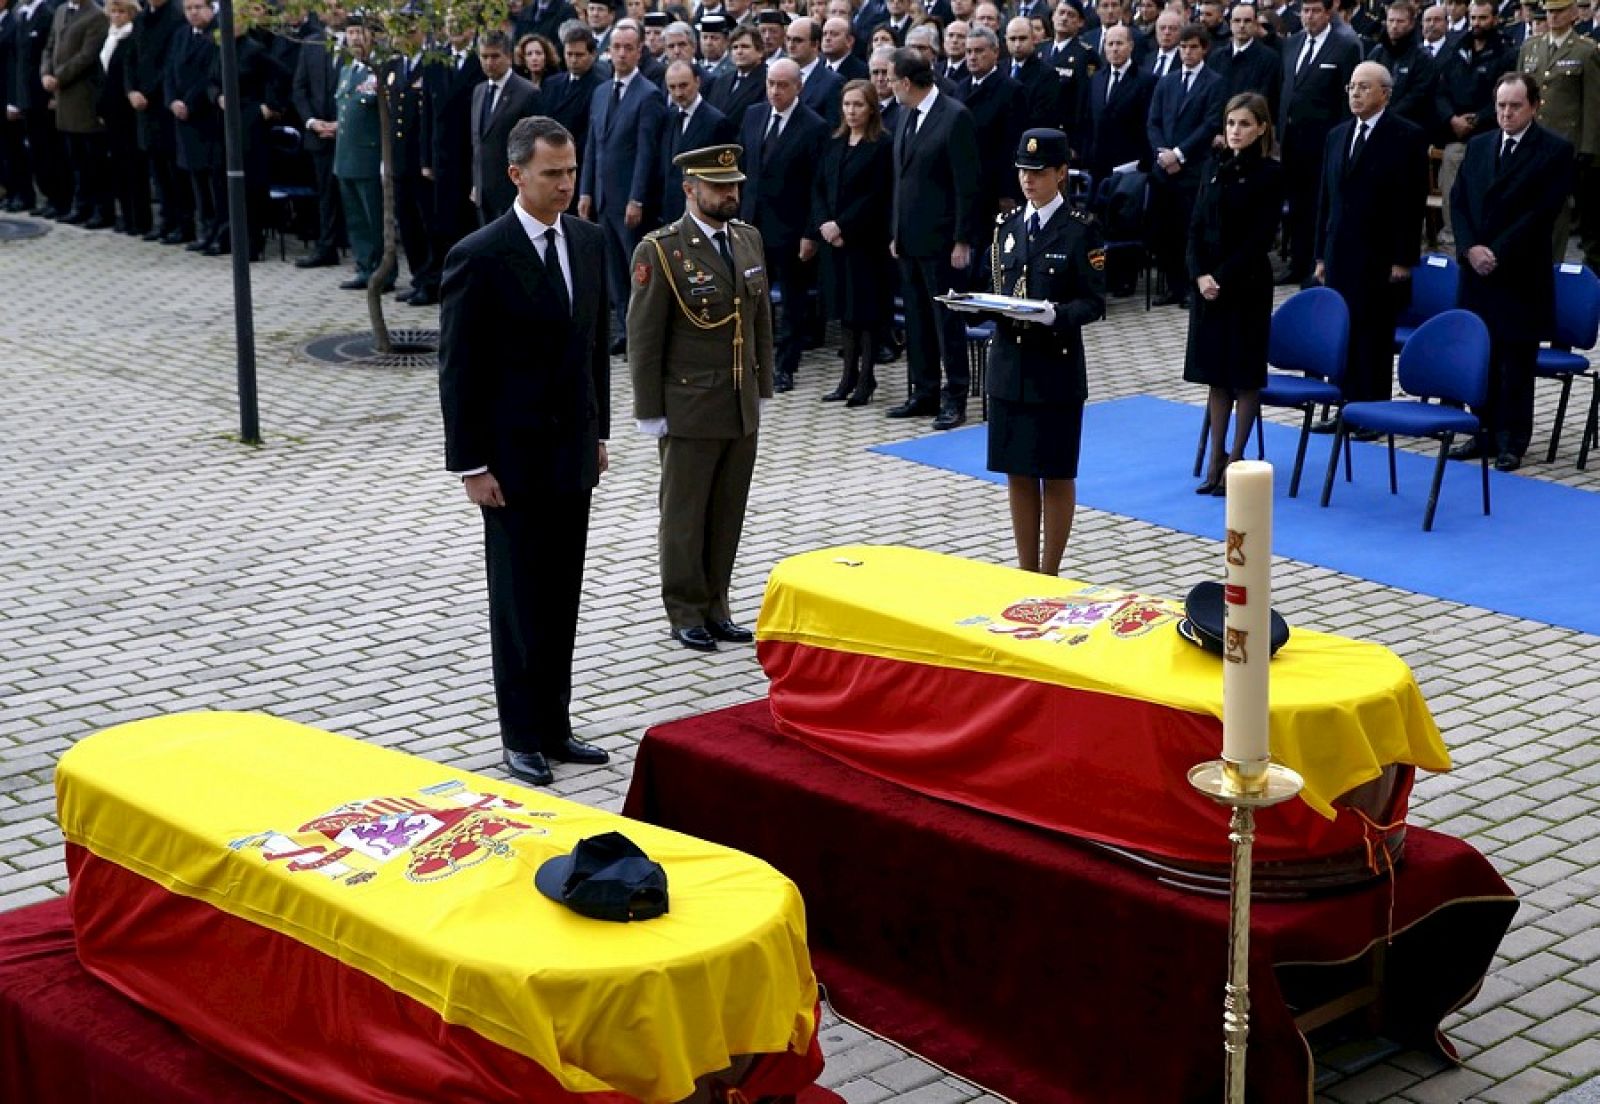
(1394, 485)
(1591, 426)
(1261, 443)
(1483, 462)
(1300, 453)
(1561, 419)
(1347, 477)
(1205, 438)
(1333, 459)
(1438, 478)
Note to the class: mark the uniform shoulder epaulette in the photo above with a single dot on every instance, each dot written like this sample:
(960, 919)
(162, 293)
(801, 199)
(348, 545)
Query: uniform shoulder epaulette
(1085, 217)
(1000, 219)
(663, 231)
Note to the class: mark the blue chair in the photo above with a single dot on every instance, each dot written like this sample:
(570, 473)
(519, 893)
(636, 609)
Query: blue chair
(979, 335)
(1577, 327)
(1447, 359)
(1115, 247)
(1310, 335)
(291, 194)
(1434, 285)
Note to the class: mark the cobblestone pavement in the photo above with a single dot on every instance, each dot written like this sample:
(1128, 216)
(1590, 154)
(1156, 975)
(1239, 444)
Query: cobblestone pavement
(149, 563)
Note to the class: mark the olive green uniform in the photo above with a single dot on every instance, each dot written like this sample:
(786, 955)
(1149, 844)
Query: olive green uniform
(700, 354)
(1569, 88)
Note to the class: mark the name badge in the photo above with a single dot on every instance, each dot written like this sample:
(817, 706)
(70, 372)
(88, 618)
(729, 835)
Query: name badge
(749, 272)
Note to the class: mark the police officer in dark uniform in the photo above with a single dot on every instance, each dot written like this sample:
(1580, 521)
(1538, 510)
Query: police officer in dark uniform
(1049, 251)
(700, 354)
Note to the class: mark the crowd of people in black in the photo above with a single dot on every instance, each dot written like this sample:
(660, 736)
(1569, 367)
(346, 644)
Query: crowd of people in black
(113, 120)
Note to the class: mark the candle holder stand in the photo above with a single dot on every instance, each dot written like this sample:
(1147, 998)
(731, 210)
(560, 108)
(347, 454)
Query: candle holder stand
(1244, 787)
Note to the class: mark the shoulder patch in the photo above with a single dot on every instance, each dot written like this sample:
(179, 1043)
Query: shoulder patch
(641, 274)
(1083, 216)
(1000, 219)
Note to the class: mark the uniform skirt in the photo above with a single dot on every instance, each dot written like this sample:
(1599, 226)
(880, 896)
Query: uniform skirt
(1038, 439)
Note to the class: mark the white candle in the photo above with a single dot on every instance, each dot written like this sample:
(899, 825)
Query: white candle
(1247, 608)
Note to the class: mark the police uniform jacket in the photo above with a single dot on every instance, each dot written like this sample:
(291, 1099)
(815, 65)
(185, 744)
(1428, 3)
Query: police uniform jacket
(402, 84)
(1064, 264)
(72, 56)
(1569, 83)
(685, 316)
(357, 150)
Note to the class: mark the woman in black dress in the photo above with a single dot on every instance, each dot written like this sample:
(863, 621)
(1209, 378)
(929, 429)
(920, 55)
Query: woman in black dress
(129, 171)
(1230, 239)
(850, 206)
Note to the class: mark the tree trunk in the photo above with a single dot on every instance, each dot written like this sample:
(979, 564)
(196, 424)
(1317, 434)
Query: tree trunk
(391, 261)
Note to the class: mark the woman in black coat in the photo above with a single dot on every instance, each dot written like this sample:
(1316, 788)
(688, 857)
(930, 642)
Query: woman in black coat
(851, 208)
(1230, 240)
(129, 185)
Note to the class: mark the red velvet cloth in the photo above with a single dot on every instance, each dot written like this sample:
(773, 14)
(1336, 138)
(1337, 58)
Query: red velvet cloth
(68, 1038)
(1034, 964)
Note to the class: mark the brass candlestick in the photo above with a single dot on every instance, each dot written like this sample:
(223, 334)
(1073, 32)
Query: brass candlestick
(1243, 787)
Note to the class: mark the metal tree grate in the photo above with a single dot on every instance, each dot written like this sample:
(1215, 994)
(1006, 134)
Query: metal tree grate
(411, 349)
(22, 229)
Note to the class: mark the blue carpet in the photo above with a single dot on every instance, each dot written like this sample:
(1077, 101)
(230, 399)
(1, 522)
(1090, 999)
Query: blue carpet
(1533, 557)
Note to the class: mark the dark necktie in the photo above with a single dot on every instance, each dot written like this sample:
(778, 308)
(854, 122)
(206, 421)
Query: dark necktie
(1305, 58)
(1359, 144)
(721, 237)
(488, 108)
(616, 94)
(1111, 90)
(1507, 148)
(1163, 63)
(771, 138)
(552, 268)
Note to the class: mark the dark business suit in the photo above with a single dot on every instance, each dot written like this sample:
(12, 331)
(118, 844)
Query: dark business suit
(566, 99)
(1258, 68)
(1314, 102)
(1510, 206)
(14, 174)
(776, 200)
(544, 19)
(849, 69)
(1370, 219)
(999, 116)
(516, 101)
(447, 107)
(822, 91)
(1049, 103)
(1185, 121)
(533, 417)
(707, 127)
(1117, 120)
(1416, 80)
(47, 153)
(935, 202)
(129, 171)
(733, 94)
(619, 167)
(154, 32)
(316, 79)
(188, 79)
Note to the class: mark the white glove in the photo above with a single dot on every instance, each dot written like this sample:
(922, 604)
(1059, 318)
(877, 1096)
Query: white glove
(652, 427)
(1046, 317)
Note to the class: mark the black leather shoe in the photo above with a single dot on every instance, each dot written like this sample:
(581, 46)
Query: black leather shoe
(1507, 462)
(727, 630)
(355, 283)
(423, 297)
(696, 638)
(74, 217)
(1366, 435)
(197, 246)
(619, 347)
(177, 237)
(1170, 300)
(100, 222)
(952, 415)
(912, 408)
(153, 235)
(1472, 450)
(782, 381)
(529, 766)
(885, 354)
(1327, 425)
(216, 249)
(48, 211)
(572, 750)
(317, 260)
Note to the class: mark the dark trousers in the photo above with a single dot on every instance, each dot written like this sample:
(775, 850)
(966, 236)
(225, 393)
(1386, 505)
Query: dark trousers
(793, 324)
(705, 484)
(362, 200)
(1302, 180)
(330, 211)
(209, 187)
(452, 219)
(1172, 199)
(89, 157)
(47, 158)
(933, 334)
(130, 181)
(534, 554)
(620, 244)
(15, 174)
(1510, 413)
(1374, 304)
(177, 197)
(413, 208)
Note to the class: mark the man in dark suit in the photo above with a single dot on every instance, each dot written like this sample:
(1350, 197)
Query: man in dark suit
(1317, 63)
(1369, 225)
(691, 124)
(1185, 115)
(1513, 183)
(880, 72)
(1245, 63)
(1415, 73)
(821, 88)
(565, 96)
(154, 31)
(199, 121)
(999, 112)
(543, 17)
(525, 430)
(738, 90)
(839, 50)
(617, 188)
(316, 79)
(869, 16)
(497, 105)
(782, 142)
(1042, 87)
(447, 98)
(935, 193)
(1119, 105)
(47, 155)
(1163, 57)
(14, 175)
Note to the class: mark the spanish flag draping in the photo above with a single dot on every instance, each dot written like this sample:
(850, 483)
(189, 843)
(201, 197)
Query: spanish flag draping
(373, 915)
(1071, 706)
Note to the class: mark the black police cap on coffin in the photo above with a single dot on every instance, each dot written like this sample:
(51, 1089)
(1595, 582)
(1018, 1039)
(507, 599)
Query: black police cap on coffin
(1203, 625)
(606, 877)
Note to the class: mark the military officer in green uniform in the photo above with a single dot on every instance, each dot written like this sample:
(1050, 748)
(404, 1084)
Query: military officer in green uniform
(357, 156)
(1567, 67)
(700, 353)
